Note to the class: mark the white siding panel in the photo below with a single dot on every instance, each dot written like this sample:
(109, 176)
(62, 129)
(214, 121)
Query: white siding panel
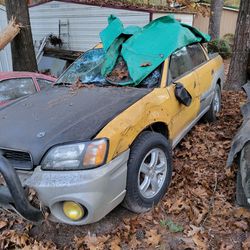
(184, 18)
(5, 54)
(85, 22)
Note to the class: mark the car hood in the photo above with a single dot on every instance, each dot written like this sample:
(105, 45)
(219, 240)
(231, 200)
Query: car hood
(61, 115)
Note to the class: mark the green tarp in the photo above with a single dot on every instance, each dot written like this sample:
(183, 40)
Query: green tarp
(144, 49)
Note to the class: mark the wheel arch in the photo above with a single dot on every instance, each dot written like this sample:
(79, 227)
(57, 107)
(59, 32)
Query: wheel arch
(158, 127)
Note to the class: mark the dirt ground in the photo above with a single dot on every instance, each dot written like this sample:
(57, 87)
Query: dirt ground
(198, 211)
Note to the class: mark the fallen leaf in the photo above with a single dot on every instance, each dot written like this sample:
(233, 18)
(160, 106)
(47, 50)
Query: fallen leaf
(134, 243)
(194, 230)
(241, 224)
(246, 244)
(152, 237)
(200, 241)
(115, 243)
(226, 246)
(241, 213)
(92, 241)
(3, 224)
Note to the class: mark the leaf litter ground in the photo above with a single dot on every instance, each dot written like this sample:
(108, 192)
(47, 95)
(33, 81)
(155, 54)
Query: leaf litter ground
(198, 211)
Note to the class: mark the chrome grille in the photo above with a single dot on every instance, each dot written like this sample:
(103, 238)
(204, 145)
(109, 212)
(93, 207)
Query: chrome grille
(18, 159)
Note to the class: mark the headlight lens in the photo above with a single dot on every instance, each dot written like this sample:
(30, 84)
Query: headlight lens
(76, 156)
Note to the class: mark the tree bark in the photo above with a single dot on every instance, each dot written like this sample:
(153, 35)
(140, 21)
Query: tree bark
(237, 75)
(9, 33)
(215, 18)
(22, 48)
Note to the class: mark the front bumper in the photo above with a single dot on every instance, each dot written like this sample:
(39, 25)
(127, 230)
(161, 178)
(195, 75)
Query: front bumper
(99, 190)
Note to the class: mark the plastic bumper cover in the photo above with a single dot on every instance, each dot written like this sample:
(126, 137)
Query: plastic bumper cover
(99, 190)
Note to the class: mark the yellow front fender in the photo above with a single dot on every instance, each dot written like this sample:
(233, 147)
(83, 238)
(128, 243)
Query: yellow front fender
(124, 129)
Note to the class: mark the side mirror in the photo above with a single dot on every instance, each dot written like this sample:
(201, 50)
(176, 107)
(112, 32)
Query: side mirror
(182, 95)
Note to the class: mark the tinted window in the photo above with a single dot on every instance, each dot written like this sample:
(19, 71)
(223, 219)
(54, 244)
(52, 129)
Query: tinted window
(44, 84)
(14, 88)
(180, 63)
(197, 54)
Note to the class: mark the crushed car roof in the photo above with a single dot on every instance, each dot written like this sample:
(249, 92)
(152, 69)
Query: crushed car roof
(144, 49)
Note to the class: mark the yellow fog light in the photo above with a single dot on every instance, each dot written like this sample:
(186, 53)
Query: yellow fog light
(73, 210)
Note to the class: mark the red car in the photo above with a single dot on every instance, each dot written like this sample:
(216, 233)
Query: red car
(17, 84)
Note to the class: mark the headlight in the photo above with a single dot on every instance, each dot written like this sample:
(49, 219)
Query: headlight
(76, 156)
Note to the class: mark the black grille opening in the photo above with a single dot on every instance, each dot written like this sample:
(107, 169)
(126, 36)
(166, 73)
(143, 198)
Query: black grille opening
(18, 159)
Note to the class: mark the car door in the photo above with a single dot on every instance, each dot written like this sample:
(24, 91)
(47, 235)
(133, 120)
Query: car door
(203, 67)
(181, 71)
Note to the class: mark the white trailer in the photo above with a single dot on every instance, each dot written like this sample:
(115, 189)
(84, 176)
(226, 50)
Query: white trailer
(77, 24)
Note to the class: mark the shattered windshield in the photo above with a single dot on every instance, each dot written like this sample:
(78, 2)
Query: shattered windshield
(87, 70)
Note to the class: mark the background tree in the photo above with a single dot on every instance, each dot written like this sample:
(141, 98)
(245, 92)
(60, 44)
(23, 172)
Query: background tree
(215, 18)
(237, 75)
(22, 48)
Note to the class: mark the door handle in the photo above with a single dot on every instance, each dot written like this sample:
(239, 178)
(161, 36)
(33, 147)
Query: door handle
(212, 72)
(194, 84)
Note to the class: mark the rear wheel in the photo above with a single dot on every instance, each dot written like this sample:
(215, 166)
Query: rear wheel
(243, 177)
(149, 172)
(215, 106)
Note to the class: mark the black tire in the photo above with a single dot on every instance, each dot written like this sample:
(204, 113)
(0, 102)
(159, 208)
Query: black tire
(241, 198)
(212, 113)
(144, 144)
(244, 164)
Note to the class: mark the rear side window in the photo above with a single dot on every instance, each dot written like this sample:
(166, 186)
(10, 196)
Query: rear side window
(44, 84)
(180, 63)
(14, 88)
(197, 55)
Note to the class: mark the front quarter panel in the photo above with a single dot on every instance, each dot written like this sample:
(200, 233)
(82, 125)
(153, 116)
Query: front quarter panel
(124, 129)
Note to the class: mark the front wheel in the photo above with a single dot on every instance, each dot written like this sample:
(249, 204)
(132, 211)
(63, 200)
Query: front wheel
(149, 171)
(215, 106)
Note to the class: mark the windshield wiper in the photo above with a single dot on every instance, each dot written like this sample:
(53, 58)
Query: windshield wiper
(62, 84)
(99, 84)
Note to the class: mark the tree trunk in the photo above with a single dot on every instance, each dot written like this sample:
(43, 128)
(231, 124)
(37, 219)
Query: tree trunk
(215, 18)
(9, 33)
(23, 53)
(237, 75)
